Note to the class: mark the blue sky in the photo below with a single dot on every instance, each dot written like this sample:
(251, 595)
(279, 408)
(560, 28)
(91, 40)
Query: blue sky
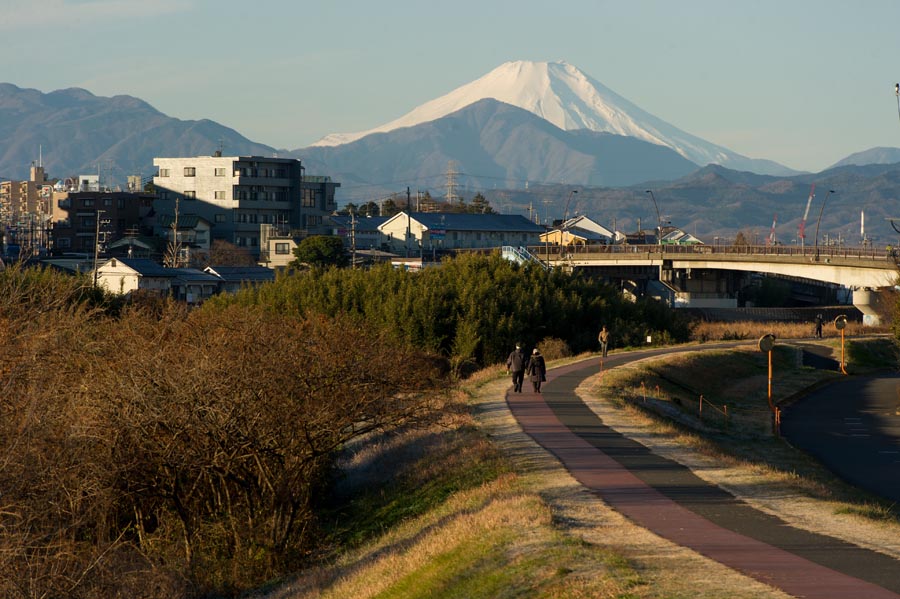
(801, 82)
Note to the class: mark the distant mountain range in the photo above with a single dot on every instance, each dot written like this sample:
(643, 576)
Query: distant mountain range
(75, 132)
(496, 145)
(561, 94)
(524, 150)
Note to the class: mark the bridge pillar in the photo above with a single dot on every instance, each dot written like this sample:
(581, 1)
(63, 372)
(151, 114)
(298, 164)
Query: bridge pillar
(864, 300)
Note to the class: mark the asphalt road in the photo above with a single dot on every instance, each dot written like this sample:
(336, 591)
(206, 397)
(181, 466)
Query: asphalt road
(670, 500)
(853, 428)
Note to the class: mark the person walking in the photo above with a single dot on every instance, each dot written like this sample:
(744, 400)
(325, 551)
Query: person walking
(536, 370)
(819, 321)
(603, 338)
(515, 364)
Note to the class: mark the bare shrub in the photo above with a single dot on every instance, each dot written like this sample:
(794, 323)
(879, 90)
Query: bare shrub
(163, 454)
(554, 349)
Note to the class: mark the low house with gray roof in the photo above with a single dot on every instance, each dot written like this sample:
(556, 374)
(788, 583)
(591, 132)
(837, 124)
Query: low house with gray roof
(417, 232)
(124, 276)
(234, 277)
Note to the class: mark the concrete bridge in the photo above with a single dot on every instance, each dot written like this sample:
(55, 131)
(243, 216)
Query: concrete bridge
(711, 276)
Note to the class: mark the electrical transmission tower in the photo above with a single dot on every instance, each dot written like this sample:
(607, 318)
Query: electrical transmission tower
(451, 182)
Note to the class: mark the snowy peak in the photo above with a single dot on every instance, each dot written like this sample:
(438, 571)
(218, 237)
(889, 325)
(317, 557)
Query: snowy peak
(568, 98)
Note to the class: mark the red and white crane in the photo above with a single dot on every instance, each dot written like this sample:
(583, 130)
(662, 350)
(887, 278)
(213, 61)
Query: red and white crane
(802, 233)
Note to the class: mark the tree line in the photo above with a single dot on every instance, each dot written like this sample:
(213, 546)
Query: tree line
(473, 308)
(149, 450)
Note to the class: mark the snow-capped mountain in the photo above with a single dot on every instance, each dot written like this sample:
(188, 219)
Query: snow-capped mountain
(568, 98)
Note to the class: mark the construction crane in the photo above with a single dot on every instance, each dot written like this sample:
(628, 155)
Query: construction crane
(770, 240)
(802, 233)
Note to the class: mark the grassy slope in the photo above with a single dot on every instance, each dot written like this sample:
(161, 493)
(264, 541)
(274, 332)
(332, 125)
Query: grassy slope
(475, 509)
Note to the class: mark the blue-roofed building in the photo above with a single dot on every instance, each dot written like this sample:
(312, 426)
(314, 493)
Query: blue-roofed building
(432, 231)
(362, 232)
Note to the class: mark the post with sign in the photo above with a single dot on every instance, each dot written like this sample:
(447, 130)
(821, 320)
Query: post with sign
(840, 323)
(766, 344)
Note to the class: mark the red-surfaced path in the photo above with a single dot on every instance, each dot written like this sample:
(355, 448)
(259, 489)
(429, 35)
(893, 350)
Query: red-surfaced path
(666, 498)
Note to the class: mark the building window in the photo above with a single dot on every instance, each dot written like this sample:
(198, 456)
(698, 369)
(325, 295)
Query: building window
(163, 172)
(220, 172)
(107, 202)
(190, 171)
(120, 203)
(163, 195)
(220, 218)
(87, 202)
(190, 195)
(220, 195)
(309, 198)
(254, 241)
(283, 248)
(63, 243)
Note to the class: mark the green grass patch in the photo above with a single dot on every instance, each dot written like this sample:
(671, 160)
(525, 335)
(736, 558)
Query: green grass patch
(872, 511)
(873, 354)
(450, 461)
(496, 566)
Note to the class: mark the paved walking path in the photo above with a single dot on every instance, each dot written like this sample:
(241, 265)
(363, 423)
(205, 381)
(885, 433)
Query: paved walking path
(668, 499)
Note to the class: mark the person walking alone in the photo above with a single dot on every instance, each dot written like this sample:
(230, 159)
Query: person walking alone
(515, 364)
(819, 321)
(536, 370)
(603, 338)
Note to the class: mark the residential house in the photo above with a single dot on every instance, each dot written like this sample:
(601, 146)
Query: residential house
(124, 276)
(234, 277)
(679, 237)
(581, 230)
(413, 234)
(360, 232)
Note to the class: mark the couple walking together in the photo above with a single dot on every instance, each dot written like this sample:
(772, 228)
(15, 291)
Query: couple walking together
(519, 365)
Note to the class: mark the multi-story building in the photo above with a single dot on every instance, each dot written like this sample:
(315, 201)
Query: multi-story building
(240, 194)
(25, 211)
(75, 225)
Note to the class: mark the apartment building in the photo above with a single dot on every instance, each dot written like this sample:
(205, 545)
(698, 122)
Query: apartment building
(25, 211)
(75, 225)
(240, 194)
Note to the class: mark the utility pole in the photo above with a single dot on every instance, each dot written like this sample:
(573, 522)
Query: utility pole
(353, 238)
(96, 245)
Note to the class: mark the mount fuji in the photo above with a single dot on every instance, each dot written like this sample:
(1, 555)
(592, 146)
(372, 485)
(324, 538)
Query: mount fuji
(566, 97)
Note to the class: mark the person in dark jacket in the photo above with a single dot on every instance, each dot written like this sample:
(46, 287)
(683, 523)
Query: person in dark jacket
(536, 370)
(515, 364)
(819, 321)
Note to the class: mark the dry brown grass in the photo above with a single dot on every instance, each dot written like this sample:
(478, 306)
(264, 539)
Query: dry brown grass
(729, 331)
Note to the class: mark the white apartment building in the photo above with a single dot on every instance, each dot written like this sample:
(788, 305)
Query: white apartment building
(239, 194)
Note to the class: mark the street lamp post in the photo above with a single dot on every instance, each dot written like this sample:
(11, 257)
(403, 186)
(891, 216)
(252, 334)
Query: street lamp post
(818, 222)
(565, 225)
(658, 219)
